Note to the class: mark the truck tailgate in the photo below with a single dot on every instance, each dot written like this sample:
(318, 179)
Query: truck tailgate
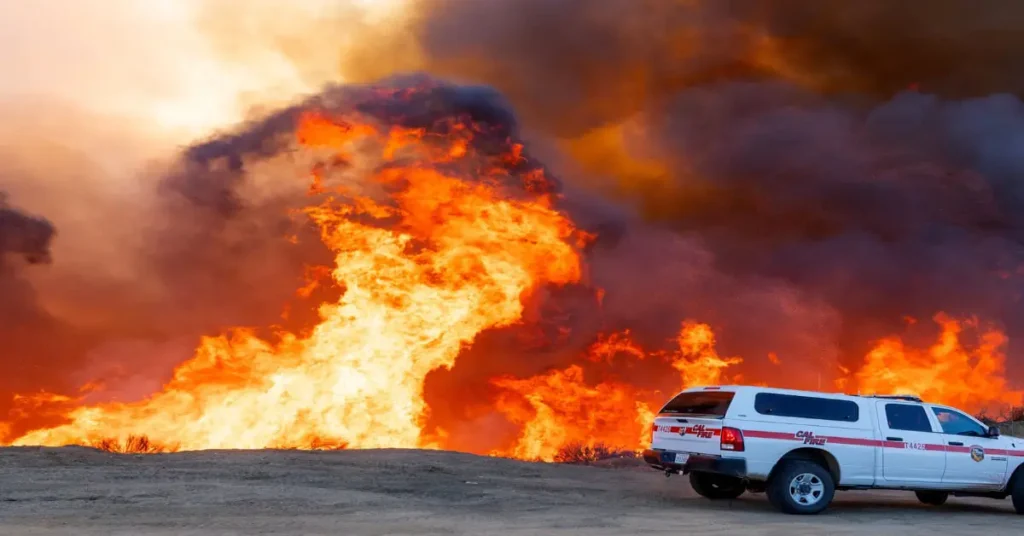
(687, 434)
(691, 423)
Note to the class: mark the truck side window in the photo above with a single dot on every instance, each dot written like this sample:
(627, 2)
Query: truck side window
(907, 417)
(806, 407)
(956, 423)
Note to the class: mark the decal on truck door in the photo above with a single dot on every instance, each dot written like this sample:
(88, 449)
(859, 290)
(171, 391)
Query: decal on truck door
(977, 453)
(809, 438)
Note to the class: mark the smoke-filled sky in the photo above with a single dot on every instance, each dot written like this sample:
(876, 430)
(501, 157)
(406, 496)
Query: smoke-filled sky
(829, 168)
(168, 65)
(802, 175)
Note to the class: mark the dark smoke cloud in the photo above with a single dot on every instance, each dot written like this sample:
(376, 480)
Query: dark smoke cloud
(29, 336)
(231, 251)
(23, 235)
(949, 47)
(862, 159)
(907, 208)
(572, 65)
(24, 240)
(569, 66)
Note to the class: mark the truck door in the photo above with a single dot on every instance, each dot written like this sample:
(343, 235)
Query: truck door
(913, 453)
(970, 460)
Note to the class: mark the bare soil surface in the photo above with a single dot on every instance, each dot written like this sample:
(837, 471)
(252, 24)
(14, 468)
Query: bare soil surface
(376, 492)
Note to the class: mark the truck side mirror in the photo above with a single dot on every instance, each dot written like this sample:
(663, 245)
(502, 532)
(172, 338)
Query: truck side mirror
(993, 431)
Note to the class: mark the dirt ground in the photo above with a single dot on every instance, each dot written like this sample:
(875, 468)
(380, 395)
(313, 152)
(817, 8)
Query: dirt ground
(85, 492)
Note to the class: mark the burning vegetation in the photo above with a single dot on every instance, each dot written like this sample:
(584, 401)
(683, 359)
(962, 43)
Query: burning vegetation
(448, 289)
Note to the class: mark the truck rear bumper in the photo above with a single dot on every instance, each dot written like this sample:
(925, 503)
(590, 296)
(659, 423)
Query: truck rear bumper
(664, 460)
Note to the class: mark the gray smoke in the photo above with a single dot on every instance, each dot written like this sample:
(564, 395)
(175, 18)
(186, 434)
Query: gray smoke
(832, 167)
(29, 336)
(569, 65)
(906, 208)
(22, 235)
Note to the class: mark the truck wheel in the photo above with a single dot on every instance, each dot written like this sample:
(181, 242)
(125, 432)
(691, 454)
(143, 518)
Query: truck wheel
(1018, 495)
(801, 487)
(934, 498)
(716, 487)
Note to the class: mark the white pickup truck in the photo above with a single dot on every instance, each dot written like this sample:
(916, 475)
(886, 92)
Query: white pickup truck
(799, 447)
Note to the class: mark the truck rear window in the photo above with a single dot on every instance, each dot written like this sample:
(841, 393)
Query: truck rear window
(806, 407)
(711, 403)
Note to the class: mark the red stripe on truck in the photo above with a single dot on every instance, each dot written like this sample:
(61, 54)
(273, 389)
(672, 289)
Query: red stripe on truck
(1002, 452)
(810, 439)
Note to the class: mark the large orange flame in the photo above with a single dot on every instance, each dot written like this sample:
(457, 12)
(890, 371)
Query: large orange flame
(458, 258)
(970, 378)
(560, 408)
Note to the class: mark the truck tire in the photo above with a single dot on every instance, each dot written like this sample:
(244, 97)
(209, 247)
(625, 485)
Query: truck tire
(716, 487)
(1018, 495)
(801, 487)
(934, 498)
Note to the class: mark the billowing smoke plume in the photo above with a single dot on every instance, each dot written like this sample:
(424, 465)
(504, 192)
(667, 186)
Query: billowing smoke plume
(24, 240)
(23, 235)
(828, 168)
(571, 65)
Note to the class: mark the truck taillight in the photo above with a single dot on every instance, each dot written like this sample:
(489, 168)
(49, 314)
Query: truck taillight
(732, 439)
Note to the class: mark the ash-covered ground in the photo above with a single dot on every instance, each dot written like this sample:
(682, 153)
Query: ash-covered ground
(376, 492)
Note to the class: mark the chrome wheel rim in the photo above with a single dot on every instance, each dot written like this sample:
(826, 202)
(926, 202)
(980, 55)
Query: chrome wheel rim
(806, 489)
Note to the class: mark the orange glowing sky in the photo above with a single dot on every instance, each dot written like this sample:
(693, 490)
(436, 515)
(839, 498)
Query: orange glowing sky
(152, 60)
